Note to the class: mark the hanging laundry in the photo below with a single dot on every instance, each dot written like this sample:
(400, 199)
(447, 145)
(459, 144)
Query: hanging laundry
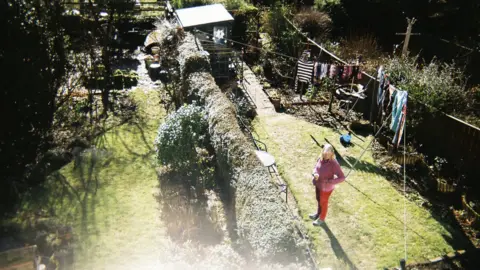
(317, 71)
(359, 74)
(389, 92)
(347, 72)
(332, 72)
(356, 72)
(380, 78)
(340, 70)
(304, 72)
(398, 135)
(400, 99)
(324, 72)
(344, 74)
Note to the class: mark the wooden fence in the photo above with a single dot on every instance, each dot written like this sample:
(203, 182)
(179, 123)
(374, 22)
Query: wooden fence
(436, 135)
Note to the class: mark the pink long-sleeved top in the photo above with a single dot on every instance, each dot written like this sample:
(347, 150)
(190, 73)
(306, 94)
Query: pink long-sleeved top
(330, 174)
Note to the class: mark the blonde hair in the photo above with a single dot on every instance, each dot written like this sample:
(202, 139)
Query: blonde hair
(327, 148)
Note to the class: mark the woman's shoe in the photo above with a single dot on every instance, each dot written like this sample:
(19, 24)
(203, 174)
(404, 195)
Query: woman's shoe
(318, 222)
(313, 216)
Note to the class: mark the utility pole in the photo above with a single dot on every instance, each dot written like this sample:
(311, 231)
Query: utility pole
(407, 34)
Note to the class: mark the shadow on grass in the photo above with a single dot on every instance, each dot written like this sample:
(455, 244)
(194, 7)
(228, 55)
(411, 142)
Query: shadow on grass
(446, 219)
(337, 248)
(184, 210)
(444, 216)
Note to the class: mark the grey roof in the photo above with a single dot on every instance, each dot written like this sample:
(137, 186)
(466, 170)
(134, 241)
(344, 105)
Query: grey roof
(194, 16)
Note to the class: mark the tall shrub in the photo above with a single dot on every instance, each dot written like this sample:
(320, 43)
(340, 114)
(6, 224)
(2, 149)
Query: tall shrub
(439, 85)
(33, 64)
(285, 39)
(279, 36)
(181, 137)
(316, 23)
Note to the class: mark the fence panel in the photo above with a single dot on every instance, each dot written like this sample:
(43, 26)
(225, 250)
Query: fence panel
(437, 134)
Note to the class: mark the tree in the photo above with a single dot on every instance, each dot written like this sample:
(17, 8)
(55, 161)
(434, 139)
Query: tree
(106, 14)
(33, 65)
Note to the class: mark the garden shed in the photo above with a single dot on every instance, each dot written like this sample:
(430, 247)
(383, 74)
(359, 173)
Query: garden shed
(214, 24)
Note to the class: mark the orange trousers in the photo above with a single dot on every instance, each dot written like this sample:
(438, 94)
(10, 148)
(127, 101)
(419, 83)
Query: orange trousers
(322, 200)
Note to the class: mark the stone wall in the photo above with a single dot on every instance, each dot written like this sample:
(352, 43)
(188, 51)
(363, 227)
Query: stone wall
(262, 218)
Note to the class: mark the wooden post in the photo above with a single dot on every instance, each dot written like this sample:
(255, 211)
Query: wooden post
(411, 22)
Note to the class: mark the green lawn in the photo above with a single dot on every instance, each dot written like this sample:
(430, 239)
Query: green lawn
(118, 222)
(366, 232)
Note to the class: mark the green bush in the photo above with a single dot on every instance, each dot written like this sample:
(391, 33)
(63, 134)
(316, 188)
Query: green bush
(182, 137)
(190, 3)
(280, 37)
(285, 39)
(241, 6)
(325, 86)
(439, 85)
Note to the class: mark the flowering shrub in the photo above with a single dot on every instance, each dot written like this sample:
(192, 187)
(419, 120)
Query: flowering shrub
(179, 137)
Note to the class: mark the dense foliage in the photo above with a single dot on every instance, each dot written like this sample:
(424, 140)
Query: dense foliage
(33, 67)
(181, 136)
(284, 39)
(436, 84)
(317, 24)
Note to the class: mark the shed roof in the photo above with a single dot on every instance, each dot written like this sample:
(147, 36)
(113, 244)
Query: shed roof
(202, 15)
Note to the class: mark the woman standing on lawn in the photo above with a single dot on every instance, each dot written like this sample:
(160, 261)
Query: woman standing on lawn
(326, 175)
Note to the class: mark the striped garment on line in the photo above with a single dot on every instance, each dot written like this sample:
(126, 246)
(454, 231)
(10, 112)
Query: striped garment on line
(304, 72)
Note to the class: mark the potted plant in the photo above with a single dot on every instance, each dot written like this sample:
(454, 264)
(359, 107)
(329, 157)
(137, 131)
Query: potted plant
(148, 61)
(155, 50)
(275, 99)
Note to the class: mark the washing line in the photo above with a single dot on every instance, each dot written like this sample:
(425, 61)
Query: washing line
(366, 74)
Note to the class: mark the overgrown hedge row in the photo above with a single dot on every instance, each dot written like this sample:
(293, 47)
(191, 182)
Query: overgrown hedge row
(262, 219)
